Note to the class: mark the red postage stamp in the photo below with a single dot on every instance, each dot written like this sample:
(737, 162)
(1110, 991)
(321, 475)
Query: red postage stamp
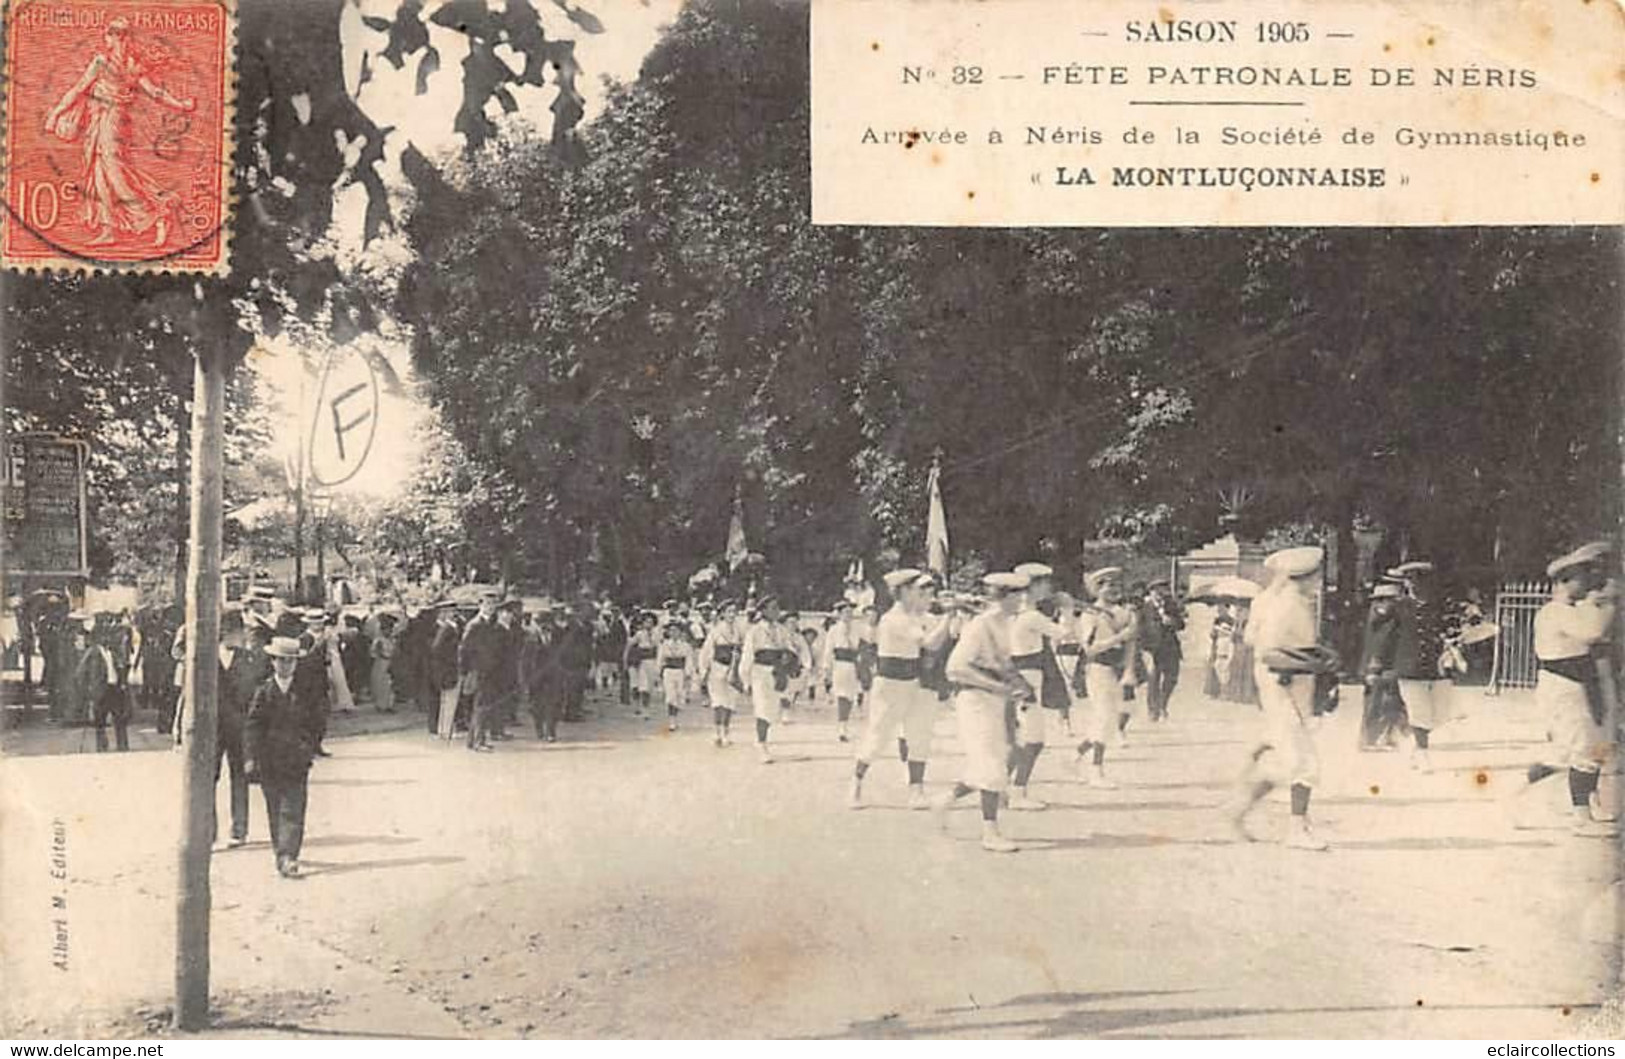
(118, 131)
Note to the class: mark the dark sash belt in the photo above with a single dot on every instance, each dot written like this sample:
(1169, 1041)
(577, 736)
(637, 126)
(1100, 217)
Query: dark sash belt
(673, 663)
(768, 656)
(846, 654)
(723, 653)
(894, 668)
(1069, 650)
(1582, 669)
(1029, 661)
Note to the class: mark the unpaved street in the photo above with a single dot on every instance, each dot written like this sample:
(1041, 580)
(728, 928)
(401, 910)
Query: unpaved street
(630, 883)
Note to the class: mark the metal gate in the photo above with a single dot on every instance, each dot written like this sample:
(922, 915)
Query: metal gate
(1515, 607)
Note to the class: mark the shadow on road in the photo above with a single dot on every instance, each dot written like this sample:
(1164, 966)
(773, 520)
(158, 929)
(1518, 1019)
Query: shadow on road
(361, 840)
(315, 868)
(1051, 845)
(363, 783)
(1080, 1019)
(1445, 842)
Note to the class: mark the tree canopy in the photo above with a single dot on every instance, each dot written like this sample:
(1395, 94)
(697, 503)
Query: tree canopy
(626, 339)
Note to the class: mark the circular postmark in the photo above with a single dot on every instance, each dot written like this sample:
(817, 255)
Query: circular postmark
(344, 421)
(118, 134)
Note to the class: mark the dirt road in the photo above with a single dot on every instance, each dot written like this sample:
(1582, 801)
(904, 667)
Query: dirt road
(628, 882)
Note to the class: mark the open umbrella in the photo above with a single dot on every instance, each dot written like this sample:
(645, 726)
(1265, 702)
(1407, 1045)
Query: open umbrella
(1227, 590)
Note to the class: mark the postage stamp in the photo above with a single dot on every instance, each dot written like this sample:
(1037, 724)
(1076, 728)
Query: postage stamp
(118, 132)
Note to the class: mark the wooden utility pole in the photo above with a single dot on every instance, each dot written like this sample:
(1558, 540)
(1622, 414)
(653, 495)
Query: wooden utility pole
(192, 900)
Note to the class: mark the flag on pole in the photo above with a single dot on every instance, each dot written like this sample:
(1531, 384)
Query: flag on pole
(736, 551)
(936, 527)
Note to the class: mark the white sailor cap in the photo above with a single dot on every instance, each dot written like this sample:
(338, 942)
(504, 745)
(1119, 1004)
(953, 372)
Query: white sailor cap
(1034, 571)
(1006, 582)
(906, 576)
(1406, 571)
(1094, 579)
(1584, 555)
(1295, 562)
(1385, 590)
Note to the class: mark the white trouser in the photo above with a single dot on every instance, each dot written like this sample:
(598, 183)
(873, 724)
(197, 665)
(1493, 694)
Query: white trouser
(448, 712)
(1106, 702)
(984, 738)
(674, 685)
(764, 696)
(722, 693)
(1584, 742)
(1031, 721)
(844, 681)
(899, 707)
(1287, 710)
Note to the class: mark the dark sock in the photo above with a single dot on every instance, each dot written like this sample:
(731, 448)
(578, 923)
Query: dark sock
(916, 773)
(1084, 748)
(671, 711)
(1581, 784)
(719, 715)
(1100, 753)
(1122, 722)
(1540, 772)
(1300, 800)
(843, 709)
(859, 769)
(902, 750)
(761, 730)
(962, 789)
(990, 806)
(1421, 735)
(1029, 758)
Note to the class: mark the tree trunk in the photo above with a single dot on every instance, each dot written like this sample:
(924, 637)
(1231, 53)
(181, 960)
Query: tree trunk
(183, 444)
(199, 695)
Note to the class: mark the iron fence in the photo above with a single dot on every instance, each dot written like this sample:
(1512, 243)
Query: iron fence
(1515, 606)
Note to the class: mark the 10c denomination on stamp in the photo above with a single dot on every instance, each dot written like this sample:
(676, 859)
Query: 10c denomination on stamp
(118, 132)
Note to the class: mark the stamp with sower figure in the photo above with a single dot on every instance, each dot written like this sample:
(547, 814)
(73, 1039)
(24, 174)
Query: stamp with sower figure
(118, 123)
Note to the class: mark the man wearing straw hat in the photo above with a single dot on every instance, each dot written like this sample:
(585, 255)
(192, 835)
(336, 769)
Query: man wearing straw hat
(720, 664)
(899, 703)
(1161, 621)
(479, 661)
(1283, 626)
(1383, 714)
(980, 666)
(443, 668)
(280, 743)
(1574, 687)
(841, 663)
(1033, 636)
(1419, 657)
(764, 654)
(1109, 635)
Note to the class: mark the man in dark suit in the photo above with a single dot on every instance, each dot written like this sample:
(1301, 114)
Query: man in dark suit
(280, 731)
(1162, 619)
(443, 669)
(95, 683)
(480, 658)
(244, 666)
(313, 671)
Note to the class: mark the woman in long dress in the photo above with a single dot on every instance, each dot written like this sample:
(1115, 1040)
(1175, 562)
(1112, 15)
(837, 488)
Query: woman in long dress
(1242, 685)
(97, 111)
